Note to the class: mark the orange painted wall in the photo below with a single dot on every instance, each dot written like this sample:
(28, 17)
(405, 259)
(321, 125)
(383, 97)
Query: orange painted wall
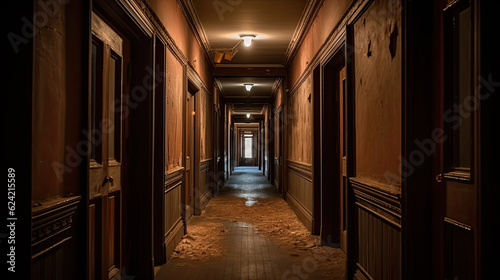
(171, 16)
(327, 18)
(174, 112)
(378, 91)
(300, 123)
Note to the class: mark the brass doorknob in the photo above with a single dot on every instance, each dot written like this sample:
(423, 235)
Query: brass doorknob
(108, 180)
(439, 178)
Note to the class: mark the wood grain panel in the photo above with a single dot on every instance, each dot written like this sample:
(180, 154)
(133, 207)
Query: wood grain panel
(205, 183)
(49, 105)
(172, 197)
(459, 250)
(173, 226)
(379, 247)
(377, 220)
(172, 206)
(111, 229)
(300, 191)
(52, 237)
(49, 266)
(382, 200)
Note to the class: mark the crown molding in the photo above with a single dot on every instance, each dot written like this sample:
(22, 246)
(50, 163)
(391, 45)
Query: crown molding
(276, 86)
(234, 65)
(310, 11)
(219, 86)
(189, 11)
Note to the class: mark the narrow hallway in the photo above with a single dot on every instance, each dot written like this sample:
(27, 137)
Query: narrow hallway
(263, 139)
(249, 232)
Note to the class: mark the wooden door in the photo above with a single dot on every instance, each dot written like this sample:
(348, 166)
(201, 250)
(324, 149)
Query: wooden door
(105, 167)
(248, 150)
(190, 153)
(232, 149)
(343, 182)
(457, 172)
(333, 152)
(278, 159)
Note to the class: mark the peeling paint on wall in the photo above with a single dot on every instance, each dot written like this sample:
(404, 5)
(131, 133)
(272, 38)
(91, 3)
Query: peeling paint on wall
(205, 114)
(300, 123)
(174, 105)
(377, 61)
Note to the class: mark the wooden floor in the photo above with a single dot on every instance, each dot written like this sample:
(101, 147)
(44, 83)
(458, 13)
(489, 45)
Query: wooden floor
(249, 254)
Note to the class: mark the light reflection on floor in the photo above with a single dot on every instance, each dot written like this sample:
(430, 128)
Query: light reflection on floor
(245, 185)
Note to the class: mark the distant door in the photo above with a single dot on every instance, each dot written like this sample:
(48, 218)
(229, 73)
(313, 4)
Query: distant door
(190, 153)
(105, 169)
(278, 157)
(248, 148)
(281, 127)
(457, 172)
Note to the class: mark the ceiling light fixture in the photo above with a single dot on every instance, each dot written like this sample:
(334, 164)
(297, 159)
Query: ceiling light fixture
(248, 86)
(247, 39)
(248, 116)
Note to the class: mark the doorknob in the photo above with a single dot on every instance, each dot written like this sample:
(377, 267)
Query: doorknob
(439, 178)
(108, 180)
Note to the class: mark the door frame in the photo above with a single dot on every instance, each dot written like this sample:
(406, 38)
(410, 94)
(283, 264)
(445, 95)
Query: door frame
(449, 227)
(159, 172)
(98, 200)
(132, 24)
(325, 157)
(194, 90)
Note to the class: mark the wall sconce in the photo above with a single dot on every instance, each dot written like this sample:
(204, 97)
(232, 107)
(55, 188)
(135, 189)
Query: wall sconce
(247, 39)
(248, 86)
(248, 115)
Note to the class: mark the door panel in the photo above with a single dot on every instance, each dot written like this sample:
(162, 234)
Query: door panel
(105, 168)
(333, 152)
(456, 181)
(343, 159)
(190, 150)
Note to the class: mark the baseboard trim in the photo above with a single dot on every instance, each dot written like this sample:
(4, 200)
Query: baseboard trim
(304, 215)
(173, 237)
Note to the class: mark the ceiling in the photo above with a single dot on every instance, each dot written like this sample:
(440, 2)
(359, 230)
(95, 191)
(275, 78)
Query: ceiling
(272, 21)
(233, 86)
(276, 25)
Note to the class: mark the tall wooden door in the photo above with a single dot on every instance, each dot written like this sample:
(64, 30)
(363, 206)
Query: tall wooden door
(105, 168)
(190, 156)
(457, 172)
(278, 157)
(333, 151)
(343, 182)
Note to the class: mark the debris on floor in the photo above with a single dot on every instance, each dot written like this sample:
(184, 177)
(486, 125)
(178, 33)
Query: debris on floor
(270, 215)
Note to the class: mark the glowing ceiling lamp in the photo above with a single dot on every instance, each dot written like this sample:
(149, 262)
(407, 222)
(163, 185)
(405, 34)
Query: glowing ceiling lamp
(247, 39)
(248, 86)
(248, 115)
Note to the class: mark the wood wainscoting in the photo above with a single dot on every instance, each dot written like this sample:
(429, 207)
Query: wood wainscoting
(300, 191)
(53, 238)
(173, 223)
(205, 186)
(376, 230)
